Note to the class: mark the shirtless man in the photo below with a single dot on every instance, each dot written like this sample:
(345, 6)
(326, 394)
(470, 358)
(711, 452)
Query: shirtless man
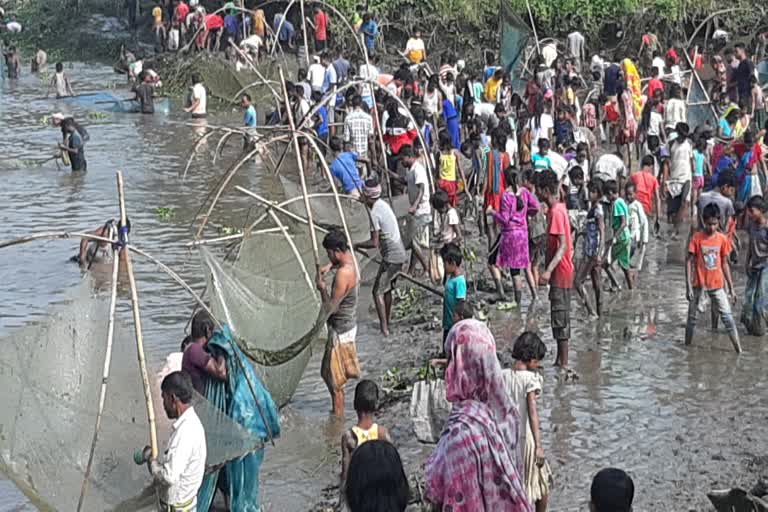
(340, 361)
(94, 251)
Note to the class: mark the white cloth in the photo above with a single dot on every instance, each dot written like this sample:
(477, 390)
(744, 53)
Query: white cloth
(414, 45)
(676, 75)
(546, 123)
(638, 222)
(316, 75)
(173, 39)
(609, 167)
(658, 63)
(675, 112)
(655, 123)
(576, 44)
(13, 27)
(172, 364)
(199, 93)
(549, 54)
(447, 222)
(417, 175)
(680, 161)
(367, 72)
(183, 466)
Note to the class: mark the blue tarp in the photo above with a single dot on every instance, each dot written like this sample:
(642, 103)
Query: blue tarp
(235, 398)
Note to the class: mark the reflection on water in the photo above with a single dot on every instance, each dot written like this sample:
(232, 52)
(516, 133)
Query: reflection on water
(680, 420)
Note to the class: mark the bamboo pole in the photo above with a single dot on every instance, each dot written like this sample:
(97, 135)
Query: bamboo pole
(295, 251)
(289, 114)
(533, 26)
(343, 217)
(53, 235)
(280, 209)
(137, 326)
(105, 375)
(304, 32)
(224, 182)
(197, 145)
(377, 123)
(228, 238)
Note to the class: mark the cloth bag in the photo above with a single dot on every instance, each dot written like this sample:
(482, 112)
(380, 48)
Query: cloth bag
(429, 408)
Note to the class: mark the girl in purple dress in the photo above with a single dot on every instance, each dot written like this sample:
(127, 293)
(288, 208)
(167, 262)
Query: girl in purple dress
(511, 247)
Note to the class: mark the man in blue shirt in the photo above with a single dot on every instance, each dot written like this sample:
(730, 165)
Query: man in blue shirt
(344, 168)
(370, 30)
(321, 118)
(250, 111)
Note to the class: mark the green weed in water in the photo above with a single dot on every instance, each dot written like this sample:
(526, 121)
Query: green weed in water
(95, 116)
(164, 213)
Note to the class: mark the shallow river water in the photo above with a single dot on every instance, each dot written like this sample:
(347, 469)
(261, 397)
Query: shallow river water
(681, 420)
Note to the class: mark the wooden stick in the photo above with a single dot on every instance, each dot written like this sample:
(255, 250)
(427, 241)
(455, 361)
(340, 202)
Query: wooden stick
(299, 160)
(343, 217)
(295, 251)
(137, 326)
(533, 26)
(304, 31)
(53, 235)
(199, 142)
(224, 182)
(420, 284)
(229, 238)
(377, 124)
(280, 209)
(105, 376)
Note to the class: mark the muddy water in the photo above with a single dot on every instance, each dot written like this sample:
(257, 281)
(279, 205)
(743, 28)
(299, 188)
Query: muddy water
(681, 421)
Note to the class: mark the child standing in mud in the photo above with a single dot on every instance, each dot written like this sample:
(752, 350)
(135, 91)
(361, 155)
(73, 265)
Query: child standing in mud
(366, 403)
(523, 385)
(707, 270)
(455, 285)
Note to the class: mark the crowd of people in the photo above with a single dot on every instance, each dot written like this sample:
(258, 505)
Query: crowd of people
(563, 173)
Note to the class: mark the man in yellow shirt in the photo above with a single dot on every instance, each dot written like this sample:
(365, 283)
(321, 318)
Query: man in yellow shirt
(415, 50)
(492, 86)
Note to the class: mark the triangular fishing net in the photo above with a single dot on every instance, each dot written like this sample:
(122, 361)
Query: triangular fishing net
(270, 305)
(325, 210)
(699, 108)
(50, 379)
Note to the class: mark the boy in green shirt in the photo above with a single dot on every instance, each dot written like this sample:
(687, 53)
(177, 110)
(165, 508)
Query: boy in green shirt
(455, 284)
(621, 243)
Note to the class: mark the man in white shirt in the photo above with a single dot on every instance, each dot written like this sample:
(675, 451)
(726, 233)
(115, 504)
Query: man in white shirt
(316, 74)
(420, 213)
(576, 43)
(610, 167)
(181, 472)
(198, 98)
(13, 26)
(368, 72)
(659, 63)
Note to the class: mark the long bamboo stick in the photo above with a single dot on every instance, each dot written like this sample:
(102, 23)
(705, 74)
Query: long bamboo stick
(343, 217)
(302, 177)
(105, 376)
(377, 123)
(137, 327)
(295, 251)
(53, 235)
(304, 31)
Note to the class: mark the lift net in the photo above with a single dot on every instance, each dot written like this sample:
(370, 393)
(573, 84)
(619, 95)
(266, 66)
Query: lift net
(50, 380)
(270, 305)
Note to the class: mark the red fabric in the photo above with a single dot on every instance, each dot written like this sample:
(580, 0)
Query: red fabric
(646, 186)
(611, 112)
(321, 26)
(452, 189)
(559, 224)
(182, 10)
(213, 21)
(672, 55)
(653, 86)
(396, 142)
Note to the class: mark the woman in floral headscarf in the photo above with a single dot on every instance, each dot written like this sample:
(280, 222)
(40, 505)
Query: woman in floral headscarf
(475, 467)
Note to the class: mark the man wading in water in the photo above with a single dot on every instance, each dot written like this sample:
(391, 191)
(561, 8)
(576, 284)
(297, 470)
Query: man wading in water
(340, 361)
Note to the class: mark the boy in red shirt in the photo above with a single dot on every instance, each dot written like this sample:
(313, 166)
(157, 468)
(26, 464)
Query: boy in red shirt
(655, 84)
(708, 264)
(647, 188)
(559, 267)
(321, 29)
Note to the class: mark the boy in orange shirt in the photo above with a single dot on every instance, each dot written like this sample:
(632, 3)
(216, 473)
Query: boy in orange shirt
(707, 263)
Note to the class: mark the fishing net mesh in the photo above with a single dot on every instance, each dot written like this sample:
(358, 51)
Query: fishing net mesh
(269, 303)
(50, 380)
